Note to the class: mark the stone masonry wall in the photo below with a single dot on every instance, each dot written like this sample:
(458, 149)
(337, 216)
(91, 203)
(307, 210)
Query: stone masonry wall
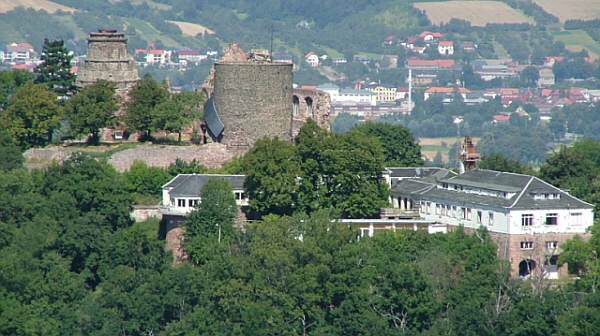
(253, 101)
(313, 104)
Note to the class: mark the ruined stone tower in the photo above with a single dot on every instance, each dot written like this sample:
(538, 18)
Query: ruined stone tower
(107, 59)
(250, 99)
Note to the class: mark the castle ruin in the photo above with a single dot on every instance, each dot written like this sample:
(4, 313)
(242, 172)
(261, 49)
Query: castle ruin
(108, 59)
(251, 97)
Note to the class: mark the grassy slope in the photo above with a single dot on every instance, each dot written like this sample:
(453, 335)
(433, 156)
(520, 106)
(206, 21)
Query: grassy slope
(578, 40)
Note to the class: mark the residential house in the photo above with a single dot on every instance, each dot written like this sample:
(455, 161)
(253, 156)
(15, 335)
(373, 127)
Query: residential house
(528, 218)
(19, 53)
(190, 56)
(446, 48)
(354, 97)
(489, 69)
(154, 56)
(427, 36)
(401, 93)
(426, 71)
(389, 40)
(383, 93)
(501, 118)
(339, 60)
(447, 93)
(546, 77)
(312, 59)
(182, 193)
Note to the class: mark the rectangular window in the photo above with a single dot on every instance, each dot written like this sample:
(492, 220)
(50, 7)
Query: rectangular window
(454, 212)
(553, 244)
(526, 220)
(479, 217)
(491, 218)
(576, 218)
(180, 202)
(469, 217)
(190, 203)
(551, 219)
(526, 245)
(438, 209)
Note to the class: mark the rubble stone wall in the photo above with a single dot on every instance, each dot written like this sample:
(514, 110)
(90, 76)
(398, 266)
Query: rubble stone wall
(312, 104)
(253, 101)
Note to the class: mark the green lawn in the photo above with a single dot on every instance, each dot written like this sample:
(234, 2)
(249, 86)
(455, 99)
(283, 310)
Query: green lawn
(577, 40)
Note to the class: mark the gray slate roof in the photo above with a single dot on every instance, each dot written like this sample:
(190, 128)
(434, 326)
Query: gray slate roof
(211, 116)
(420, 172)
(190, 185)
(524, 187)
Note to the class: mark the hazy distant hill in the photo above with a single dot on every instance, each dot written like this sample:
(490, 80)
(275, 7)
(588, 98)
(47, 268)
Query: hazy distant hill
(296, 25)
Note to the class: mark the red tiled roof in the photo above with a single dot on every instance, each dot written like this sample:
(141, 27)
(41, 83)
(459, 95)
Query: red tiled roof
(155, 52)
(433, 34)
(16, 47)
(441, 89)
(189, 52)
(501, 117)
(509, 92)
(413, 62)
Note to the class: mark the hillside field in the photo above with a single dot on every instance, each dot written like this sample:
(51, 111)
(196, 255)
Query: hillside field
(192, 29)
(572, 9)
(576, 40)
(479, 13)
(49, 6)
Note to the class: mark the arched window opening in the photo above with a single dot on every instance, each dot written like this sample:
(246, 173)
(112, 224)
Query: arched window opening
(295, 105)
(309, 108)
(526, 267)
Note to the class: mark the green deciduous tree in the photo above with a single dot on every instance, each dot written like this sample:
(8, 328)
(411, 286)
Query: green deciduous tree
(9, 152)
(501, 163)
(399, 146)
(178, 111)
(210, 225)
(92, 108)
(10, 81)
(55, 70)
(530, 76)
(145, 181)
(33, 113)
(145, 96)
(272, 172)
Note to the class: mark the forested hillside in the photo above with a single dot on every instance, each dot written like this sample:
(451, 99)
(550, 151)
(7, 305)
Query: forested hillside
(297, 25)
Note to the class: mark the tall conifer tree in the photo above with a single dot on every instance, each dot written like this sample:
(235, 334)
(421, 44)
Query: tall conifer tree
(55, 70)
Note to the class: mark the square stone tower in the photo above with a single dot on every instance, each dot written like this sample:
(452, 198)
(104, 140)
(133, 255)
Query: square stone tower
(108, 59)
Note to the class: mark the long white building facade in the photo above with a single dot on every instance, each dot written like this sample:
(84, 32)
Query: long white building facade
(528, 218)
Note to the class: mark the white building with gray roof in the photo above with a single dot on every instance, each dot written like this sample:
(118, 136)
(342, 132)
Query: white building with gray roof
(527, 217)
(182, 193)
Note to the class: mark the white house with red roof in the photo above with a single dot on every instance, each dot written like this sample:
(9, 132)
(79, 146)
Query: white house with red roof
(312, 59)
(428, 36)
(446, 48)
(19, 53)
(190, 56)
(154, 56)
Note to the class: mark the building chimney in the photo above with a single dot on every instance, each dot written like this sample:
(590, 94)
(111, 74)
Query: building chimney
(468, 156)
